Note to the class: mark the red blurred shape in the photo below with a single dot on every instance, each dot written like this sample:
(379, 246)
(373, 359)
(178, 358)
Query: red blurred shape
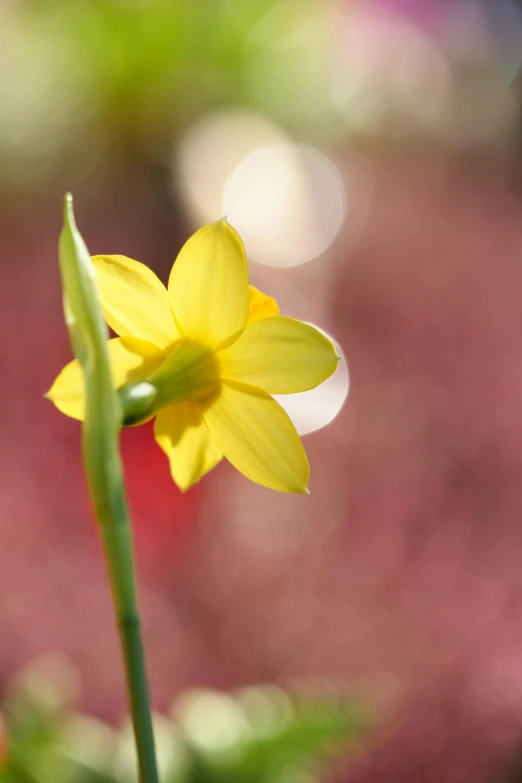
(162, 516)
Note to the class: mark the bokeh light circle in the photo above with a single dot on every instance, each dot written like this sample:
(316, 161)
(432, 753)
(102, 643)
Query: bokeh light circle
(491, 32)
(287, 201)
(312, 410)
(385, 66)
(210, 150)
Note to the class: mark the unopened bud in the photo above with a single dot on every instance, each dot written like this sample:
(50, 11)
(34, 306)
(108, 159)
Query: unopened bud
(137, 402)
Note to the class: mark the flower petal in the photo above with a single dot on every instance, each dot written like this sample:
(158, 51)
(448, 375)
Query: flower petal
(280, 355)
(257, 437)
(208, 285)
(261, 305)
(130, 360)
(135, 302)
(182, 434)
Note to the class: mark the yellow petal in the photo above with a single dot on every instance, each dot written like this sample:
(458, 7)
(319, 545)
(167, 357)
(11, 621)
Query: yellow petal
(182, 434)
(208, 285)
(135, 302)
(280, 355)
(261, 305)
(257, 437)
(130, 360)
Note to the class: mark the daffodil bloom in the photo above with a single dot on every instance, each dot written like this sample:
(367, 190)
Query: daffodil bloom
(203, 357)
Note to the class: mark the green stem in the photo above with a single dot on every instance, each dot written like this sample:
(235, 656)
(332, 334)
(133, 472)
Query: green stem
(130, 635)
(119, 555)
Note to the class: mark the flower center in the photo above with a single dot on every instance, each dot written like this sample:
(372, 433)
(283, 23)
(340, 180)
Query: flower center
(191, 372)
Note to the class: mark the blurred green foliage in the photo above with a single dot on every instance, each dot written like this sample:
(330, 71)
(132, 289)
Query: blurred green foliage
(86, 83)
(258, 734)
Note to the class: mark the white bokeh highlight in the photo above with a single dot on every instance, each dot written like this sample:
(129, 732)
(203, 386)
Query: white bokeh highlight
(288, 203)
(287, 200)
(312, 410)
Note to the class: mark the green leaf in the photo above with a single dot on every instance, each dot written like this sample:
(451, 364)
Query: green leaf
(89, 334)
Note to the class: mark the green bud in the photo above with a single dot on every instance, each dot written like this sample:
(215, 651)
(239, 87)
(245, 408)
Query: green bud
(137, 402)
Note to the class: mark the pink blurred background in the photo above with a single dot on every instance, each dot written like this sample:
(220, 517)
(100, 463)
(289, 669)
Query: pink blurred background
(368, 153)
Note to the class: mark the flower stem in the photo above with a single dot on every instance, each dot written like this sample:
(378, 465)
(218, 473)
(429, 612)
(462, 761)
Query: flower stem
(119, 556)
(132, 647)
(105, 478)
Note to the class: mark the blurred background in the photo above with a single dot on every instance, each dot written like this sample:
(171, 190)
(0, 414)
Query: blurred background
(369, 153)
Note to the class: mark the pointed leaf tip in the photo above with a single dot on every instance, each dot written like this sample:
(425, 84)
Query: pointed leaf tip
(68, 207)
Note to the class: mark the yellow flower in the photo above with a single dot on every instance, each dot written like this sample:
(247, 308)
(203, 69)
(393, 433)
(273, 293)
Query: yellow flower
(204, 358)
